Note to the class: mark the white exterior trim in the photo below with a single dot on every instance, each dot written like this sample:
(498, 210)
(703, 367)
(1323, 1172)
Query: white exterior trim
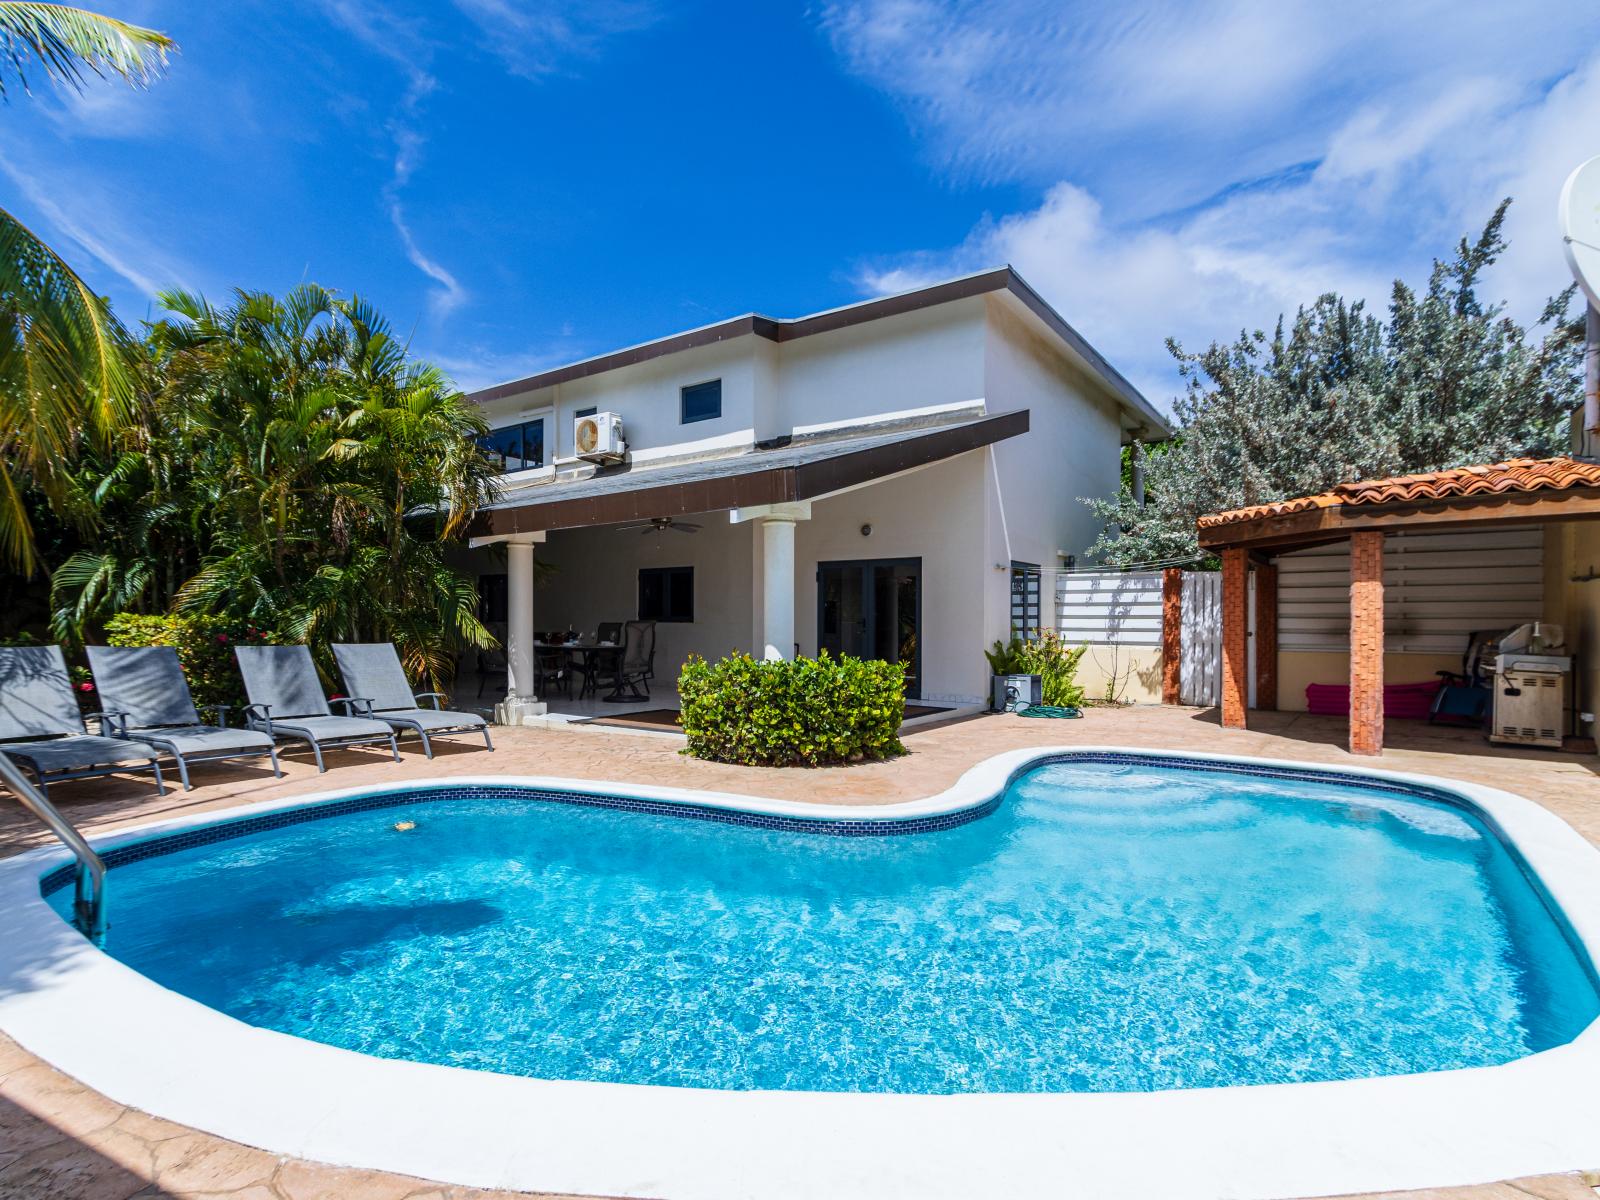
(140, 1044)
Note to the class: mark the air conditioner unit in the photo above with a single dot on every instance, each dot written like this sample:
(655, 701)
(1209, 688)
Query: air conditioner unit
(598, 438)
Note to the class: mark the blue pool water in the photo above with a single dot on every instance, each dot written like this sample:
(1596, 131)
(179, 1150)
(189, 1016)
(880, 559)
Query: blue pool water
(1110, 926)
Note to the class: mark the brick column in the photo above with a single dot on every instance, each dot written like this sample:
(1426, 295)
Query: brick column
(1266, 638)
(1366, 643)
(1235, 631)
(1171, 633)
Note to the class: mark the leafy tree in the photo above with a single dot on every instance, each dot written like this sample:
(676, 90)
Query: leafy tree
(294, 469)
(1448, 380)
(67, 366)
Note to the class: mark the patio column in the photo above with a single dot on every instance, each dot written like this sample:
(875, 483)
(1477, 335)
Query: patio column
(776, 635)
(521, 699)
(1171, 634)
(1235, 632)
(1366, 642)
(777, 586)
(1266, 637)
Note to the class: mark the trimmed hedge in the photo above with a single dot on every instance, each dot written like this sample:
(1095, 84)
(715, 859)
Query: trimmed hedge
(204, 645)
(809, 711)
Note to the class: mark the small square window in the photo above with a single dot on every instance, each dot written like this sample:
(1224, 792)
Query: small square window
(666, 594)
(585, 412)
(702, 401)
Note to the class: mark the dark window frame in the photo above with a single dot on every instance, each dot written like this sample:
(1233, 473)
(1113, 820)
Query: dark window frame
(1027, 600)
(683, 401)
(521, 428)
(666, 610)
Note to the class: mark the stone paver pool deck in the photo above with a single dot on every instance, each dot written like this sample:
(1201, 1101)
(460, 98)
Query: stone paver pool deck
(59, 1139)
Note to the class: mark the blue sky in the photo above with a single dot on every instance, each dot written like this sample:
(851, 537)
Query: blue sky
(518, 183)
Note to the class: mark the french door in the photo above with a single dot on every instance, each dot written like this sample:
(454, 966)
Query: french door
(873, 609)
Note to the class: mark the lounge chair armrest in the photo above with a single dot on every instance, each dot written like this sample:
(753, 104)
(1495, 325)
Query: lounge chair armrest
(355, 705)
(259, 716)
(222, 711)
(434, 696)
(113, 723)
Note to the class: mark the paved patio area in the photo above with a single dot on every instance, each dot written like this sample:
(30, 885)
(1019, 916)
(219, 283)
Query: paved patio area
(61, 1140)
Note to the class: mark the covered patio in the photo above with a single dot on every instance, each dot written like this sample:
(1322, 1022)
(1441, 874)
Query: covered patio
(737, 551)
(1558, 497)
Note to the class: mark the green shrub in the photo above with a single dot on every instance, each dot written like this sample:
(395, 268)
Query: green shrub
(1045, 655)
(204, 645)
(810, 711)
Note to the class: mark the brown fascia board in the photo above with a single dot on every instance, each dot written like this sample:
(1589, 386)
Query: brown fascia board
(777, 485)
(775, 330)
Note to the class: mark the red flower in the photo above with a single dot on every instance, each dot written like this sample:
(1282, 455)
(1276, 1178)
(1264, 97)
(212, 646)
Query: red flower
(86, 687)
(222, 637)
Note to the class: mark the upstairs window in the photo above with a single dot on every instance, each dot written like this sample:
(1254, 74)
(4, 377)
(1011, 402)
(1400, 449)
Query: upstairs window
(702, 401)
(666, 594)
(517, 447)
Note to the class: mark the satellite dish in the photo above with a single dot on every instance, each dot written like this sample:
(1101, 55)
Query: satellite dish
(1580, 227)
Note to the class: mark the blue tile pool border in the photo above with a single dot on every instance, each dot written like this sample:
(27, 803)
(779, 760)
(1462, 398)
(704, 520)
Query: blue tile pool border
(228, 830)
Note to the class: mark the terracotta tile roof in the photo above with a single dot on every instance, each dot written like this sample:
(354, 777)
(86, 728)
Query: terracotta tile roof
(1514, 475)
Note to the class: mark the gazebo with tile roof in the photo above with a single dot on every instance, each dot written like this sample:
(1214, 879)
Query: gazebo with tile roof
(1519, 491)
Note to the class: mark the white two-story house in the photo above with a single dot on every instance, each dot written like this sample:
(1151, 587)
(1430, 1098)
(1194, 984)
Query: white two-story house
(885, 480)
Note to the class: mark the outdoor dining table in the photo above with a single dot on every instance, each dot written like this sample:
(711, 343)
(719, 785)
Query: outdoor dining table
(584, 651)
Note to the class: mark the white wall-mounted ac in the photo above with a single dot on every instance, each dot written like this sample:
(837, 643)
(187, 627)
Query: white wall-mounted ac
(598, 438)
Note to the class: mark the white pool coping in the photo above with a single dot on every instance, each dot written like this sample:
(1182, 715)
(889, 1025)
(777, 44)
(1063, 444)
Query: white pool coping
(145, 1046)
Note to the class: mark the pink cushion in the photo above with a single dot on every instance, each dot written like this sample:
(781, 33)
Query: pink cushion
(1406, 701)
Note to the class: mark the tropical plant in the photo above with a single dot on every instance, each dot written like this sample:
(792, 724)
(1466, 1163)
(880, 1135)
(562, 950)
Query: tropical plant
(808, 711)
(1047, 656)
(1447, 380)
(67, 367)
(294, 469)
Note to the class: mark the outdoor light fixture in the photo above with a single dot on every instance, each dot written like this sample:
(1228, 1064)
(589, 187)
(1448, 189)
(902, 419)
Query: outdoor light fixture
(866, 531)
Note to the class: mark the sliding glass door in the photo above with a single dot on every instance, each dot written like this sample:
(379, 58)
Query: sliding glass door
(873, 609)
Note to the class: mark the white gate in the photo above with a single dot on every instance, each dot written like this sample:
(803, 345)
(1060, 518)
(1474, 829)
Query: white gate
(1200, 663)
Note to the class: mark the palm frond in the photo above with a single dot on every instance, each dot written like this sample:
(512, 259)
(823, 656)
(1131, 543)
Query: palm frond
(66, 42)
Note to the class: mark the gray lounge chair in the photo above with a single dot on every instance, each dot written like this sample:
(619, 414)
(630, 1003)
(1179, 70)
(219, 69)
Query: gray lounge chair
(286, 701)
(37, 703)
(379, 688)
(143, 691)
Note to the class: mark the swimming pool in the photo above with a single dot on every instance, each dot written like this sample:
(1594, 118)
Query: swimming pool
(1112, 924)
(1521, 882)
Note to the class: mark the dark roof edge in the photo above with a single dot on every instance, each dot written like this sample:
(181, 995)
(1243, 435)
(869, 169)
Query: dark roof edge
(775, 330)
(757, 485)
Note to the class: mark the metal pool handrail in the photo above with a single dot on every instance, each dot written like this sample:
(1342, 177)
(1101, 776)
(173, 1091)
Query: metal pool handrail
(89, 895)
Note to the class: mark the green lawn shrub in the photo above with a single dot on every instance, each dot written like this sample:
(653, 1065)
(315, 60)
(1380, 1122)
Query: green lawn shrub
(809, 711)
(1046, 655)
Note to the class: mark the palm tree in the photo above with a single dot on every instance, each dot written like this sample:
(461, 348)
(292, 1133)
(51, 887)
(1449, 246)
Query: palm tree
(67, 367)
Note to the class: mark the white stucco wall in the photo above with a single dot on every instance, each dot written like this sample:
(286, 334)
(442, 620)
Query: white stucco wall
(919, 360)
(1072, 450)
(935, 514)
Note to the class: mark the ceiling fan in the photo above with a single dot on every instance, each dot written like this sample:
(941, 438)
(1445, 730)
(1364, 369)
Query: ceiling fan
(657, 524)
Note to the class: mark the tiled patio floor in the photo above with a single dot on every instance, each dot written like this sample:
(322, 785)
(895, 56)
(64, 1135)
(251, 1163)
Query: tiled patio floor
(60, 1140)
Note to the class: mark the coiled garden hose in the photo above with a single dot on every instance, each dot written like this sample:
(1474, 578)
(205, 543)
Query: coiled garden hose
(1045, 710)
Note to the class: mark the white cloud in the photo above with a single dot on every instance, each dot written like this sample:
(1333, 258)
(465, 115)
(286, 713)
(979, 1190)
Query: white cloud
(536, 38)
(90, 221)
(449, 295)
(1256, 193)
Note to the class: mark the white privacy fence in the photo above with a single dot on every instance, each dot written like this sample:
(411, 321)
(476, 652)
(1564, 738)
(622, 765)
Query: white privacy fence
(1109, 607)
(1123, 609)
(1200, 654)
